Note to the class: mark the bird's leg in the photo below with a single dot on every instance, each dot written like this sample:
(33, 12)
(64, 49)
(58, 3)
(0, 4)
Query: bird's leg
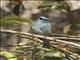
(46, 43)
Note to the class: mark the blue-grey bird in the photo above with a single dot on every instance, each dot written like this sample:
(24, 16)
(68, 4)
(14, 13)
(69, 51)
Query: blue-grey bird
(43, 27)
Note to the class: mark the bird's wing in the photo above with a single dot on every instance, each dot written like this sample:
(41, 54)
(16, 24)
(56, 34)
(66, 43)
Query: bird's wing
(36, 27)
(41, 27)
(37, 30)
(46, 28)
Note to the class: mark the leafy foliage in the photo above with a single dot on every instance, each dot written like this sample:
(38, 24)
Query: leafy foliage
(42, 53)
(13, 20)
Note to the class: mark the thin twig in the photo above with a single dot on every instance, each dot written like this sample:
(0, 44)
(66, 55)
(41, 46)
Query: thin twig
(40, 36)
(68, 52)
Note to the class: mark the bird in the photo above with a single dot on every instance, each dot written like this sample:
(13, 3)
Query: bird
(43, 27)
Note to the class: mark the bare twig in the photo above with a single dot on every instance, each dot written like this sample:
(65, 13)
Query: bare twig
(67, 52)
(69, 38)
(40, 36)
(64, 35)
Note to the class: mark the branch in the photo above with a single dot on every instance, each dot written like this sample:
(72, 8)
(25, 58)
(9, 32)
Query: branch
(68, 52)
(64, 35)
(39, 36)
(68, 39)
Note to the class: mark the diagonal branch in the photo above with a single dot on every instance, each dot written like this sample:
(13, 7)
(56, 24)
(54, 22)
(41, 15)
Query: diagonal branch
(40, 36)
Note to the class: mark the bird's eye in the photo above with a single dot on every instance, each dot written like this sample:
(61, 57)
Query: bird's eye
(41, 19)
(44, 19)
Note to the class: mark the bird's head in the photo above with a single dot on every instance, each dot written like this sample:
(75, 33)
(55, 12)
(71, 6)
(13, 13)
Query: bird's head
(43, 18)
